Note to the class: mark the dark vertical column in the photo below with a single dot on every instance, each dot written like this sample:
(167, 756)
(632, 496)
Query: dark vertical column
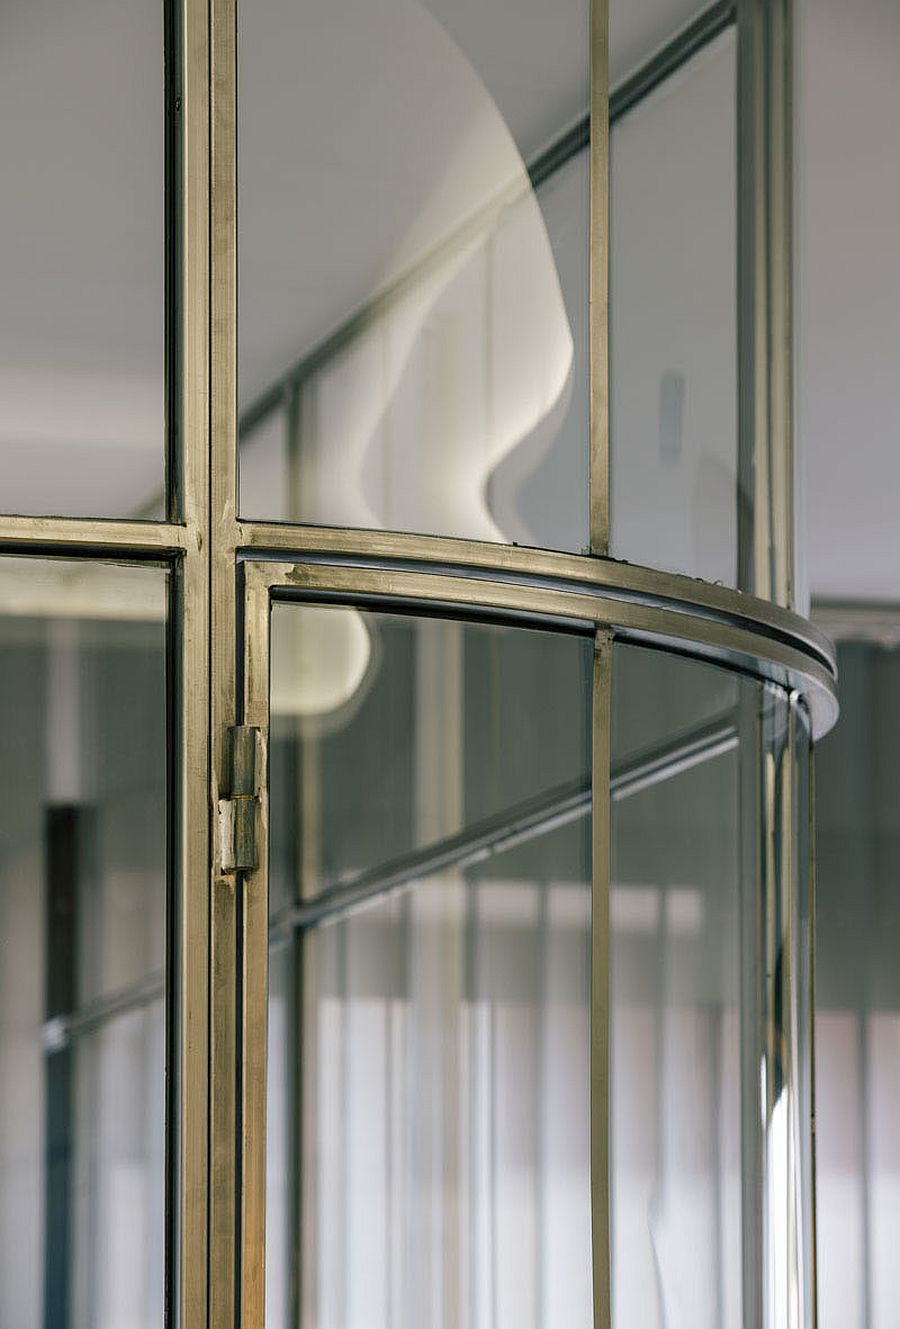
(61, 832)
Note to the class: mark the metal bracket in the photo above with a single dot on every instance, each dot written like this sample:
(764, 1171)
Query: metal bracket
(236, 815)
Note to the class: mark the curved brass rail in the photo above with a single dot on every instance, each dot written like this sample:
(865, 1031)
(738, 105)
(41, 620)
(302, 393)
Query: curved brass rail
(638, 604)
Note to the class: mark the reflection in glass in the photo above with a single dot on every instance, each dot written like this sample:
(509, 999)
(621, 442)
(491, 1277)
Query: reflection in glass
(426, 728)
(673, 323)
(711, 1058)
(396, 371)
(675, 992)
(428, 1117)
(82, 403)
(82, 944)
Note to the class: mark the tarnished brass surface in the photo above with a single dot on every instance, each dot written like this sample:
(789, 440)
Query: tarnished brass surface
(637, 608)
(601, 702)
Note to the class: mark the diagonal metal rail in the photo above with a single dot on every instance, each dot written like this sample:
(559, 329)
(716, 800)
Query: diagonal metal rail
(515, 826)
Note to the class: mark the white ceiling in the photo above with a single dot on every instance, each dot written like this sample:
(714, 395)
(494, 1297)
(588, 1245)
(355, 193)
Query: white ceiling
(81, 317)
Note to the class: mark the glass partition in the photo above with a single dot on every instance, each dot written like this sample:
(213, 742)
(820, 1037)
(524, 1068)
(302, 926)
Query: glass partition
(674, 493)
(412, 235)
(675, 947)
(710, 1015)
(82, 231)
(395, 371)
(429, 1014)
(82, 944)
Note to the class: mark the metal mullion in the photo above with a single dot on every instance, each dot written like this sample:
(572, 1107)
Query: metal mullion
(226, 914)
(598, 313)
(751, 777)
(601, 715)
(187, 384)
(811, 831)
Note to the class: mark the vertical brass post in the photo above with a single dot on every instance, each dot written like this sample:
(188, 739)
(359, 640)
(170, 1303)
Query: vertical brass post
(189, 663)
(599, 279)
(600, 877)
(225, 912)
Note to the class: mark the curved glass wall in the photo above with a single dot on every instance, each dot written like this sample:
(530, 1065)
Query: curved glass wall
(409, 929)
(430, 989)
(711, 1022)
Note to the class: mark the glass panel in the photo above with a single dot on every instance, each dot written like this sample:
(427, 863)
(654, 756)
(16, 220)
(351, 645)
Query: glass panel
(82, 401)
(82, 923)
(118, 1169)
(662, 699)
(709, 946)
(444, 1026)
(389, 733)
(393, 190)
(675, 985)
(673, 330)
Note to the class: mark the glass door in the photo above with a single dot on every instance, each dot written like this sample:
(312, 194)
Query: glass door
(429, 950)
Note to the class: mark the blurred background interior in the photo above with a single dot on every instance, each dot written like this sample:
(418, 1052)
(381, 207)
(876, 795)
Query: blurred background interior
(366, 334)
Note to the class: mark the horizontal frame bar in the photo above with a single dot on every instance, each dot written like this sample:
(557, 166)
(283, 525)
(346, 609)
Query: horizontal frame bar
(93, 537)
(283, 541)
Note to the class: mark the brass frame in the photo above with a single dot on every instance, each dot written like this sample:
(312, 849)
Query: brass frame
(622, 603)
(226, 570)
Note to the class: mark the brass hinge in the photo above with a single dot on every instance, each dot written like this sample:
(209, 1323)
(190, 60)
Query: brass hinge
(237, 814)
